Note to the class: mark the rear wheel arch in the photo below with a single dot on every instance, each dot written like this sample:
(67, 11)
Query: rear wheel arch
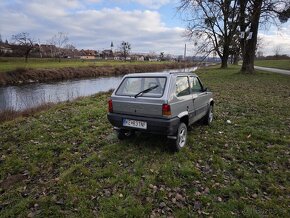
(211, 102)
(185, 120)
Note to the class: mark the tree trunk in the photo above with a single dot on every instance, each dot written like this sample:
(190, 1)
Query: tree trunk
(225, 57)
(251, 42)
(26, 55)
(236, 59)
(248, 62)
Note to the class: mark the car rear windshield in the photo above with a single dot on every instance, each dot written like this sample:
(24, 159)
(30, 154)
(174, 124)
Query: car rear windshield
(134, 86)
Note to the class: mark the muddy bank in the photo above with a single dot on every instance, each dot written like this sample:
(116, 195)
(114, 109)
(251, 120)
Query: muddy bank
(22, 75)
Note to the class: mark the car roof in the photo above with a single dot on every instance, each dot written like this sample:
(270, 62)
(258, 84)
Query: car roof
(161, 74)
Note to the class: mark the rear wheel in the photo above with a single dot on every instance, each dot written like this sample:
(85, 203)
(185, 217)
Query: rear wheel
(208, 118)
(181, 136)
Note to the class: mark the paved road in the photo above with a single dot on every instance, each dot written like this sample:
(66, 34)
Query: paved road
(274, 70)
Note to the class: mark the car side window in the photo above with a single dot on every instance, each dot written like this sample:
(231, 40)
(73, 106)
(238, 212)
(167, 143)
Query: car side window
(195, 85)
(182, 86)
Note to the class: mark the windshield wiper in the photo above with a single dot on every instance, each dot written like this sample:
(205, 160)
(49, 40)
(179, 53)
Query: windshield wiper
(146, 90)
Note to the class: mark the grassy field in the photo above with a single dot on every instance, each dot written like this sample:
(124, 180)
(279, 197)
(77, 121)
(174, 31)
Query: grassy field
(10, 64)
(67, 161)
(279, 64)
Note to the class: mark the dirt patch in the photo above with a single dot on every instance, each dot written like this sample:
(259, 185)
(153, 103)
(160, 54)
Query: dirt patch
(11, 180)
(20, 76)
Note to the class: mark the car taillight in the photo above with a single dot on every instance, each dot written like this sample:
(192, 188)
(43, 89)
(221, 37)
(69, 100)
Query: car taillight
(166, 110)
(110, 106)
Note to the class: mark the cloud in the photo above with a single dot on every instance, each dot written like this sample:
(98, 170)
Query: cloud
(152, 4)
(274, 38)
(90, 28)
(94, 1)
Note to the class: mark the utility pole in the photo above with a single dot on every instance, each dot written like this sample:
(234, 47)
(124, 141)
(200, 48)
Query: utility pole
(184, 52)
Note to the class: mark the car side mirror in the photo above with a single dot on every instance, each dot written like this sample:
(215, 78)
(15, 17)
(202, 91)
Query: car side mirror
(205, 89)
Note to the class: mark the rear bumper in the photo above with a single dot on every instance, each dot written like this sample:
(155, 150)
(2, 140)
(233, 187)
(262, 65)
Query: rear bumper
(154, 125)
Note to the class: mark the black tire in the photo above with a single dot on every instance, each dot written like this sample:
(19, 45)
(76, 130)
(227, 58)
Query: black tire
(123, 134)
(208, 118)
(181, 137)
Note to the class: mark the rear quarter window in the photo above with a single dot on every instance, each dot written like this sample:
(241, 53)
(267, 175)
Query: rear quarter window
(131, 86)
(182, 86)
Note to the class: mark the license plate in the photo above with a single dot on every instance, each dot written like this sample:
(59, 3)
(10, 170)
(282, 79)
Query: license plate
(135, 123)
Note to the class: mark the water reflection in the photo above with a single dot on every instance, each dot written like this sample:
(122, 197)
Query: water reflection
(32, 95)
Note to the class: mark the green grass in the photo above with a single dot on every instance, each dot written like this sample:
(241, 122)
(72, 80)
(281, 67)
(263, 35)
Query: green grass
(279, 64)
(9, 64)
(67, 161)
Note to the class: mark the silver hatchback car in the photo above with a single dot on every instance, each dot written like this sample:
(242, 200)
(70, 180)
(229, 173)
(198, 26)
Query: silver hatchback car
(160, 103)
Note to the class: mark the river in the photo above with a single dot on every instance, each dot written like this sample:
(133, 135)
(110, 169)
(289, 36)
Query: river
(27, 96)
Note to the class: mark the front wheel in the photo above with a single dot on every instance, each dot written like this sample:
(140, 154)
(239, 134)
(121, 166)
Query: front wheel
(181, 136)
(208, 118)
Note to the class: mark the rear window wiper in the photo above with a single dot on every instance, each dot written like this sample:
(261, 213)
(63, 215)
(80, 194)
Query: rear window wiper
(145, 91)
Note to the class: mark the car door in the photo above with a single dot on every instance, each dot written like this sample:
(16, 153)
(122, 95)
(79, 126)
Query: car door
(182, 104)
(199, 98)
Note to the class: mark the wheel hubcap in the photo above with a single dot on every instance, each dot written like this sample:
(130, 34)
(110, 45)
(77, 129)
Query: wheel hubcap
(210, 115)
(182, 137)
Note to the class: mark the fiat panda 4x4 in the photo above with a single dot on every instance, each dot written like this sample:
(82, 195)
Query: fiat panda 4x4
(160, 103)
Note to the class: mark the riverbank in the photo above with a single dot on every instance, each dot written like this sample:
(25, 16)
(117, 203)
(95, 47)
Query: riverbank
(67, 161)
(29, 75)
(11, 114)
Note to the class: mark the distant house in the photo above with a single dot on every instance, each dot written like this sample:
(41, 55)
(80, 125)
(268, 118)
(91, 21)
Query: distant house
(118, 56)
(47, 50)
(5, 48)
(149, 58)
(88, 54)
(108, 54)
(137, 58)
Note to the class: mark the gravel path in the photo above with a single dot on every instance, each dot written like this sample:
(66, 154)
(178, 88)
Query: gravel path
(274, 70)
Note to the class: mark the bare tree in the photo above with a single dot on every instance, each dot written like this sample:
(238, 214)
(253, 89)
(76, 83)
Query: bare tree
(61, 39)
(162, 56)
(235, 50)
(277, 50)
(57, 43)
(255, 12)
(125, 48)
(52, 48)
(25, 43)
(213, 22)
(40, 49)
(69, 50)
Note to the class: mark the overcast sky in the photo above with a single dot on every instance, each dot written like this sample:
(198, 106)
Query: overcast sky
(92, 24)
